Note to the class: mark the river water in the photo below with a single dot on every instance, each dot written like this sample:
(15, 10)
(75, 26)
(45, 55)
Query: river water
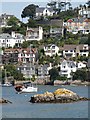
(22, 108)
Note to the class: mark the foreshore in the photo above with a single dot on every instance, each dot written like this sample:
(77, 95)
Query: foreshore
(57, 82)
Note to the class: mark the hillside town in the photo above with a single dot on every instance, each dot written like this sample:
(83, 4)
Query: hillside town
(48, 47)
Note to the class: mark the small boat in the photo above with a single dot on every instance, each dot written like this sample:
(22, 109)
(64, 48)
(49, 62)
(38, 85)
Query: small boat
(18, 88)
(25, 89)
(6, 85)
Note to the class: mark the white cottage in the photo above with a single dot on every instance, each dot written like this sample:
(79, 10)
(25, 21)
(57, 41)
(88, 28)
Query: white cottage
(51, 50)
(44, 12)
(6, 40)
(67, 67)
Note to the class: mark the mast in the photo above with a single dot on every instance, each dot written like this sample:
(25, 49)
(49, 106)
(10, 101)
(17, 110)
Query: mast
(5, 76)
(30, 62)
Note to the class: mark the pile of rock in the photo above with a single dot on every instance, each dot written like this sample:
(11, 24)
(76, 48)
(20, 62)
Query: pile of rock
(4, 101)
(61, 95)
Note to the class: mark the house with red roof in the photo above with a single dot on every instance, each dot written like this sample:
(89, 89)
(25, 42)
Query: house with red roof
(76, 25)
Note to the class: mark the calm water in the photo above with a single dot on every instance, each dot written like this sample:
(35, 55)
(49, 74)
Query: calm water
(21, 108)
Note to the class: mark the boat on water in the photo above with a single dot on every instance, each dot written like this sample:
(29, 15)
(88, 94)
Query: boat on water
(25, 88)
(6, 85)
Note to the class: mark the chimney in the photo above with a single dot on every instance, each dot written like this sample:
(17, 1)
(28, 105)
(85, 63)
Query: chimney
(13, 34)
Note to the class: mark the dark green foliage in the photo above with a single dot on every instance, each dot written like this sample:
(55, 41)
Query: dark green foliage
(25, 44)
(13, 21)
(32, 23)
(53, 74)
(12, 71)
(62, 78)
(29, 11)
(89, 39)
(83, 40)
(80, 75)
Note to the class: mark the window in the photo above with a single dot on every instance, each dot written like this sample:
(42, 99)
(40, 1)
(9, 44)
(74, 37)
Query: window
(87, 30)
(7, 40)
(66, 50)
(71, 50)
(53, 47)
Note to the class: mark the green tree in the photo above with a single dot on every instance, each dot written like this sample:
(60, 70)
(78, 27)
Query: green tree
(29, 11)
(13, 21)
(25, 44)
(31, 23)
(53, 74)
(80, 75)
(12, 71)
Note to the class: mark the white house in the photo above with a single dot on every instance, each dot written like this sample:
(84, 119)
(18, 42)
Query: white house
(3, 20)
(51, 50)
(81, 65)
(6, 40)
(67, 67)
(19, 38)
(79, 24)
(34, 34)
(26, 56)
(84, 12)
(44, 12)
(76, 50)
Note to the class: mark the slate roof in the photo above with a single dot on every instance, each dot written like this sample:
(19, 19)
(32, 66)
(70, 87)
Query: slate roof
(68, 63)
(81, 20)
(5, 36)
(41, 9)
(73, 47)
(69, 47)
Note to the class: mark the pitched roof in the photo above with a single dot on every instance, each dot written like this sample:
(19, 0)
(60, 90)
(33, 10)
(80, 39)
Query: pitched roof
(5, 36)
(26, 50)
(70, 20)
(41, 9)
(73, 47)
(56, 22)
(87, 20)
(76, 20)
(69, 47)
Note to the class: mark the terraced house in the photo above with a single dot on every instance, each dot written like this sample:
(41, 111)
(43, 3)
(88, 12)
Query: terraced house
(76, 50)
(76, 25)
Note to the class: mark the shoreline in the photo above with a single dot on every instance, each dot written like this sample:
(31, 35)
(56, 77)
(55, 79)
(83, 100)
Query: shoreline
(58, 82)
